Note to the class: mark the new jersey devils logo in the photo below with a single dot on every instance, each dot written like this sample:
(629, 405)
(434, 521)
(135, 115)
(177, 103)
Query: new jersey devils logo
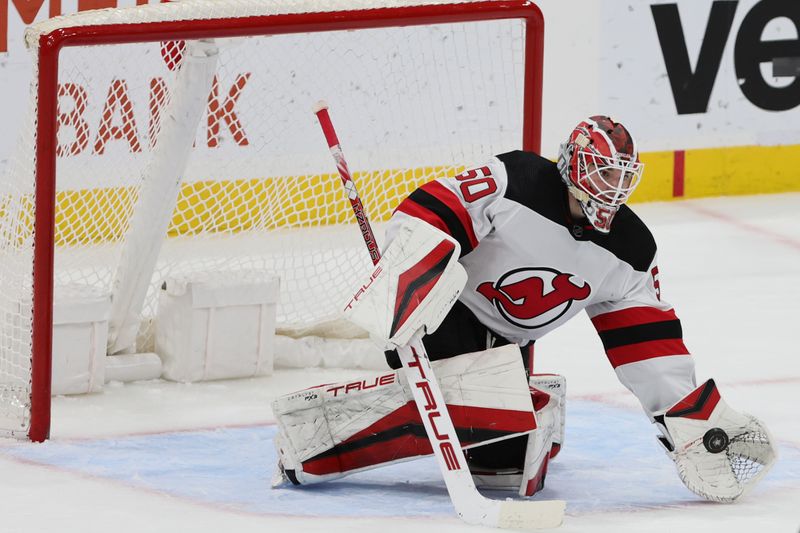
(533, 297)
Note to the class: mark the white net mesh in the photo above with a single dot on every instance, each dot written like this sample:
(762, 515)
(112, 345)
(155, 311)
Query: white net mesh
(259, 189)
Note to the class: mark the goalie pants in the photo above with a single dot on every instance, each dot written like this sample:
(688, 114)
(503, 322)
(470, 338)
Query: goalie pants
(461, 332)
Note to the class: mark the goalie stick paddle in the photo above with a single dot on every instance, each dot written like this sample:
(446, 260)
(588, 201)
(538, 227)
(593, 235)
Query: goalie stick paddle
(470, 505)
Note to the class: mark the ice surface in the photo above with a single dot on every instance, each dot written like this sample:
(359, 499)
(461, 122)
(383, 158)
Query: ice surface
(160, 456)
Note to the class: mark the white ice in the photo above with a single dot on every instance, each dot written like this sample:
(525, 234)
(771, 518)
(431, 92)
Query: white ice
(164, 457)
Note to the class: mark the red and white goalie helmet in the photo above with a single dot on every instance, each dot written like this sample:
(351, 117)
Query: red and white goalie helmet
(600, 164)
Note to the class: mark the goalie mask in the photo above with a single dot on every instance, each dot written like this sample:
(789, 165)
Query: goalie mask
(600, 165)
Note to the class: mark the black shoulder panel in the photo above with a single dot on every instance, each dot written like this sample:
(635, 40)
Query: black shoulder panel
(535, 182)
(630, 240)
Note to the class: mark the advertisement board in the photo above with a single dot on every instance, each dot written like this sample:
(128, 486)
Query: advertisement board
(706, 86)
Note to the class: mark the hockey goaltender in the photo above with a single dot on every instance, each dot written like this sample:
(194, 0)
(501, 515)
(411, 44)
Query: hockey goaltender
(539, 242)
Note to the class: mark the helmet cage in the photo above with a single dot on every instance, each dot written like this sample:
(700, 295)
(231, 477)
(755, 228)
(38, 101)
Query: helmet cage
(609, 181)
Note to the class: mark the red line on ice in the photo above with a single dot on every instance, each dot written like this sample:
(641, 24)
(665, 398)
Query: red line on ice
(777, 237)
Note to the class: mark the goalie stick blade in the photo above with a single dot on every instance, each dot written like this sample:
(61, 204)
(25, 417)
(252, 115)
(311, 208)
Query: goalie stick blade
(514, 514)
(476, 509)
(528, 515)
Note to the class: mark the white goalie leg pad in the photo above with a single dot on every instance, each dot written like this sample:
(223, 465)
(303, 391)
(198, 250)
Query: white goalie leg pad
(549, 397)
(720, 453)
(330, 431)
(312, 422)
(552, 389)
(548, 393)
(413, 286)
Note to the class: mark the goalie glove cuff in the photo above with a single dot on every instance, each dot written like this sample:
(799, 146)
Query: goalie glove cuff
(720, 453)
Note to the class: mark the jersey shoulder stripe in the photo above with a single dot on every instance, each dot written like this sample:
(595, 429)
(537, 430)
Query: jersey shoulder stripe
(438, 206)
(535, 182)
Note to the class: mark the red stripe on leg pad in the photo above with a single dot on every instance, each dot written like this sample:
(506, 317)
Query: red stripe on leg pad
(536, 483)
(632, 316)
(504, 420)
(383, 452)
(554, 450)
(540, 398)
(464, 416)
(410, 445)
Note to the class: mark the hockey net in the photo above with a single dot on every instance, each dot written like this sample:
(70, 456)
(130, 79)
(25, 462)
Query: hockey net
(417, 92)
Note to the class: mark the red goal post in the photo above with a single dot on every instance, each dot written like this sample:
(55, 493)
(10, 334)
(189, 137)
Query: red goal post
(174, 22)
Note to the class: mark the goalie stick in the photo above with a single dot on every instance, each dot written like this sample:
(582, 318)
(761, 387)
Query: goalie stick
(470, 505)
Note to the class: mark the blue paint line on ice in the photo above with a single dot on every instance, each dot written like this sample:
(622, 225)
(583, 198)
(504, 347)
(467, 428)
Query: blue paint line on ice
(610, 462)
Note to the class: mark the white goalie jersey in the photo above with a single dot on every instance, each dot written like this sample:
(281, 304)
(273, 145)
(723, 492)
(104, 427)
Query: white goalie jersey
(531, 268)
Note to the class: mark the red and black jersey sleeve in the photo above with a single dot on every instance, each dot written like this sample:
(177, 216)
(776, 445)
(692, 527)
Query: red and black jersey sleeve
(440, 207)
(639, 333)
(643, 340)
